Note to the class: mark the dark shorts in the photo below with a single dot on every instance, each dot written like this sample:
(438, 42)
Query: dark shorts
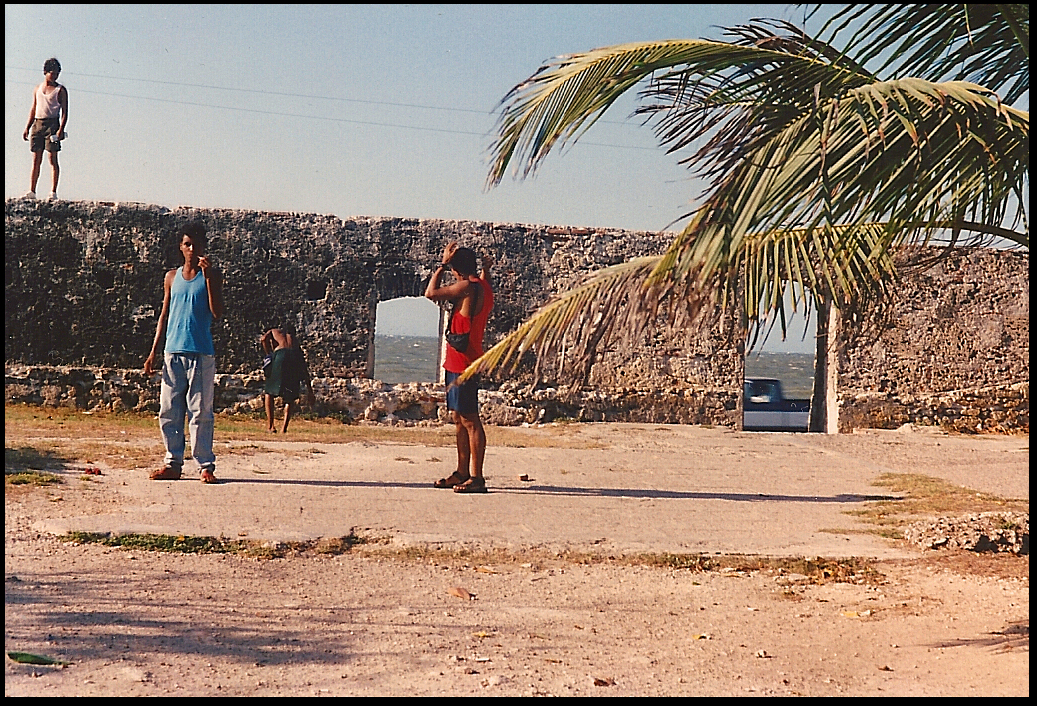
(39, 135)
(282, 379)
(463, 399)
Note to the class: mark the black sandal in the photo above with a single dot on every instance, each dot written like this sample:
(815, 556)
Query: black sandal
(451, 480)
(472, 485)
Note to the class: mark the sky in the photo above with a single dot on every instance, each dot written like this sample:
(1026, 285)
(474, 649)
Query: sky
(351, 110)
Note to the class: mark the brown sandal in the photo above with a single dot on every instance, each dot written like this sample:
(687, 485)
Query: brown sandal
(472, 485)
(451, 480)
(166, 473)
(208, 477)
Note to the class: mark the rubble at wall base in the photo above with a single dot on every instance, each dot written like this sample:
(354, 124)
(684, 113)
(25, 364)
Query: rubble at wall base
(371, 401)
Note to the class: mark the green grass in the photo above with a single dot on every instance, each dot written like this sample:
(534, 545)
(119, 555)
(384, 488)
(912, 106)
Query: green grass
(924, 496)
(30, 478)
(26, 466)
(97, 428)
(817, 569)
(187, 544)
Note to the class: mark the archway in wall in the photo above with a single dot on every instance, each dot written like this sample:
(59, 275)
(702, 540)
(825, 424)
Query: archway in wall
(791, 363)
(406, 340)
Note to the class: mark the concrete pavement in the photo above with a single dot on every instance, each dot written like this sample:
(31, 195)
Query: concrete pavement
(631, 488)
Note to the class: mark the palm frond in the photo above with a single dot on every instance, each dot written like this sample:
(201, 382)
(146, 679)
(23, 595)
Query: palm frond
(571, 325)
(818, 170)
(916, 155)
(984, 44)
(568, 94)
(617, 303)
(728, 110)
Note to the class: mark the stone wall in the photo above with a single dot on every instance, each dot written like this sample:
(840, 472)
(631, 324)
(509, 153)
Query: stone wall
(952, 349)
(83, 289)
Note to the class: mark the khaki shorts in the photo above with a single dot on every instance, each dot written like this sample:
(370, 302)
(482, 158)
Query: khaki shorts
(39, 135)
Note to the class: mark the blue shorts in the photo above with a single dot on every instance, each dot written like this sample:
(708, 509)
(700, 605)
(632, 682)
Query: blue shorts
(463, 399)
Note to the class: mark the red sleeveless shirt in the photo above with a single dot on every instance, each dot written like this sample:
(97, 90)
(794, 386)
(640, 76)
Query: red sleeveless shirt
(456, 361)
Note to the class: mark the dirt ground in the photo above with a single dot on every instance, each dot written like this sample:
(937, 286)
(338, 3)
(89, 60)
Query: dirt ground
(381, 620)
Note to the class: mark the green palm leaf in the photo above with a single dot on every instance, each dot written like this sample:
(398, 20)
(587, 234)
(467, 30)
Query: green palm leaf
(613, 299)
(984, 44)
(818, 169)
(615, 304)
(566, 96)
(919, 156)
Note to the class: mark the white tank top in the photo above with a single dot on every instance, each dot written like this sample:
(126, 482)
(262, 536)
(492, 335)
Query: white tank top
(48, 105)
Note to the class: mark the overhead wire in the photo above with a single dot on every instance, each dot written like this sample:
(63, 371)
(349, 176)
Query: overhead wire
(300, 115)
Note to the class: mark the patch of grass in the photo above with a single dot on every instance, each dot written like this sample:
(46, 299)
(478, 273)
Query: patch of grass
(65, 420)
(338, 545)
(131, 439)
(817, 569)
(30, 478)
(26, 466)
(187, 544)
(924, 496)
(158, 542)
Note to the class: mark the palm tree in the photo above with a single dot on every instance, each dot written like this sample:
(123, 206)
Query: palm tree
(819, 168)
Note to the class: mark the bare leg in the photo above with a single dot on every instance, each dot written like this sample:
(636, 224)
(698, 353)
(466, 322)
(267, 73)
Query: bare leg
(476, 442)
(37, 160)
(55, 170)
(464, 447)
(289, 408)
(268, 403)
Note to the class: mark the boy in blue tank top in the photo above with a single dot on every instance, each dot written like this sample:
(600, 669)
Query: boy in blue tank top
(193, 300)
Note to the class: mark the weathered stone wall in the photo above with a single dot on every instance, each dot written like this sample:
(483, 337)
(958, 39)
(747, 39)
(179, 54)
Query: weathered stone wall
(83, 289)
(952, 349)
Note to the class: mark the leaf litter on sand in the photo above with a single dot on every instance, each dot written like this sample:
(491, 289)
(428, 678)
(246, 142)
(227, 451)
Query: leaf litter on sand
(460, 593)
(30, 658)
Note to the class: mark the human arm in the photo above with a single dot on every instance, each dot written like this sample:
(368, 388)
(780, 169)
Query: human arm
(308, 379)
(266, 342)
(214, 282)
(32, 117)
(452, 291)
(63, 99)
(487, 264)
(160, 329)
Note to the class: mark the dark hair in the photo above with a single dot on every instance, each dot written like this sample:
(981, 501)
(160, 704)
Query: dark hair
(194, 229)
(51, 64)
(464, 261)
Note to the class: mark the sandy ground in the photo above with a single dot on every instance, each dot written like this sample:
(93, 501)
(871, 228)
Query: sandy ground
(459, 599)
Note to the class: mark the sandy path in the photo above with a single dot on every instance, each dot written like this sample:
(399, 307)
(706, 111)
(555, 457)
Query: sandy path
(383, 621)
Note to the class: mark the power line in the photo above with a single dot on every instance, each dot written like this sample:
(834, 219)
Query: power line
(313, 117)
(291, 95)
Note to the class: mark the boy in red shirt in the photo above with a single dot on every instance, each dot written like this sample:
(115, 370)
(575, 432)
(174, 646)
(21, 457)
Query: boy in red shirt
(472, 300)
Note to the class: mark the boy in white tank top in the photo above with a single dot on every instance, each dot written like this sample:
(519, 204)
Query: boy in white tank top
(47, 120)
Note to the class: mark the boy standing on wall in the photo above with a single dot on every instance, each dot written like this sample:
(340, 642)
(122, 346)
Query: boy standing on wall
(47, 119)
(193, 300)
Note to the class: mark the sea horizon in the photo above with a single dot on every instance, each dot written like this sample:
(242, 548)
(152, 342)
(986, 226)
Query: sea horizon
(400, 359)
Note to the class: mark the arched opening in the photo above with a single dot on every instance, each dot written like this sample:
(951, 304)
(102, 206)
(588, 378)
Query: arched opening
(406, 340)
(784, 406)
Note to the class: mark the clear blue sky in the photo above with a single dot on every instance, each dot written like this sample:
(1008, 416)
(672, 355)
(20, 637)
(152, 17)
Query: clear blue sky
(349, 110)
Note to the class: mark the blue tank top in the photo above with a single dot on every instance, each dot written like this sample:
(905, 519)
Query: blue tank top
(188, 329)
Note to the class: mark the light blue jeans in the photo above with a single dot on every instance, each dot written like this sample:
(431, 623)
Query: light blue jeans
(188, 385)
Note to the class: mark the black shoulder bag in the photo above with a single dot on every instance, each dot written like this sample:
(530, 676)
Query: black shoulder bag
(457, 341)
